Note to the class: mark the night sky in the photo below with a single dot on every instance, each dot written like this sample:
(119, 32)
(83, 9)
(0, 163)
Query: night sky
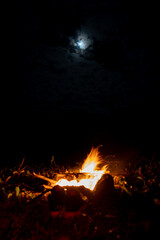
(60, 100)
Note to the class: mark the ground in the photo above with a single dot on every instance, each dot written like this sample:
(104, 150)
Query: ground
(129, 210)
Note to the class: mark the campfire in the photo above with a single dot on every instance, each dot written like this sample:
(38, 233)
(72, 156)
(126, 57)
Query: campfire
(92, 170)
(85, 202)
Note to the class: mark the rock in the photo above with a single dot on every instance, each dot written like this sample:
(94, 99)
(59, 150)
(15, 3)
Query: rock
(74, 200)
(57, 198)
(104, 188)
(68, 198)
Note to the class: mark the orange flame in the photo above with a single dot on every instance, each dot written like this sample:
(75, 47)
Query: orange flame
(92, 173)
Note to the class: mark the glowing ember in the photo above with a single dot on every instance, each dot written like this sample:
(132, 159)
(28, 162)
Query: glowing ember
(90, 168)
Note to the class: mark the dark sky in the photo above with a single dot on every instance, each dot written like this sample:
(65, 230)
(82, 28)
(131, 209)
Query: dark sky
(60, 101)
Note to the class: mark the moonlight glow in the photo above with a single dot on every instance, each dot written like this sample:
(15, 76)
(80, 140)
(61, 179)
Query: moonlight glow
(81, 44)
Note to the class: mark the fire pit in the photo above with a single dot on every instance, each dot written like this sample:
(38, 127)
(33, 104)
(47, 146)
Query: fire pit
(70, 190)
(92, 170)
